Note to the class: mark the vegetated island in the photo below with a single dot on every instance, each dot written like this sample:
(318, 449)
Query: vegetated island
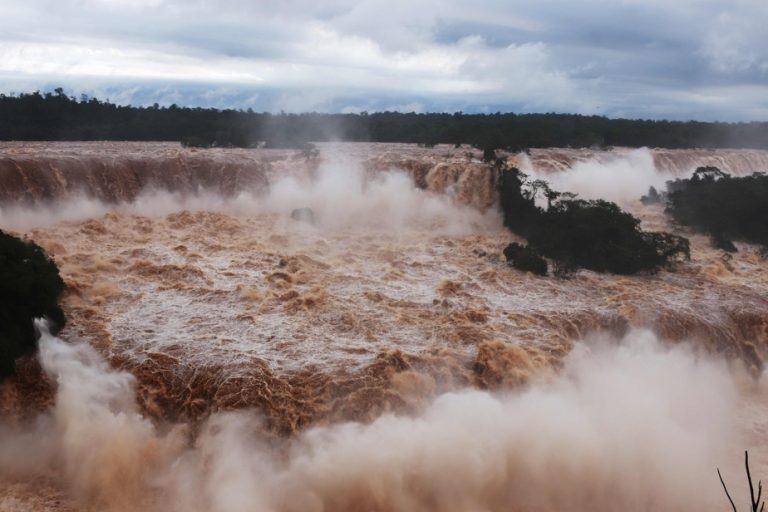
(598, 235)
(575, 233)
(725, 207)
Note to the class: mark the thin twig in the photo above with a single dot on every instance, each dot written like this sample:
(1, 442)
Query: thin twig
(726, 490)
(749, 478)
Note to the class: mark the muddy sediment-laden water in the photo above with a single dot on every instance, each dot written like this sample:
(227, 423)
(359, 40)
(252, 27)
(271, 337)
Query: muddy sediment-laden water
(222, 355)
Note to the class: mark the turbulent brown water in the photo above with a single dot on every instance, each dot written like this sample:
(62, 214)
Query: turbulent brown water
(222, 356)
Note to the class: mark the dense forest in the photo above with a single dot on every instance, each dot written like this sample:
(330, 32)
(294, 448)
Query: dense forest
(56, 116)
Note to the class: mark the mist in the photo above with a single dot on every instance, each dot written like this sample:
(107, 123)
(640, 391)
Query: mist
(394, 308)
(340, 192)
(342, 195)
(621, 178)
(340, 189)
(628, 424)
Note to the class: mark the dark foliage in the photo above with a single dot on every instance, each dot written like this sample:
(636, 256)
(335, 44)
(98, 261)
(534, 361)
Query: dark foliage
(724, 244)
(725, 207)
(521, 215)
(575, 233)
(309, 151)
(653, 197)
(30, 286)
(599, 236)
(55, 116)
(489, 155)
(524, 258)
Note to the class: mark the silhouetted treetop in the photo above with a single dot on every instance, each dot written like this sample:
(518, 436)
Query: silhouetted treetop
(55, 116)
(726, 207)
(575, 233)
(30, 286)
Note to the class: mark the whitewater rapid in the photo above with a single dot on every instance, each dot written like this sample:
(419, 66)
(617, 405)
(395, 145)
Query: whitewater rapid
(215, 324)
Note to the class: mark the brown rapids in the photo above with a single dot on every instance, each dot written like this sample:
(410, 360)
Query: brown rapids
(225, 303)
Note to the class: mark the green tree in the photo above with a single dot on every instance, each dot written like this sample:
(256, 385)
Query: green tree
(30, 286)
(726, 207)
(574, 233)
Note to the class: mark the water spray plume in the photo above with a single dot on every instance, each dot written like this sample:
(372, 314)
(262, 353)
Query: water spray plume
(225, 356)
(590, 439)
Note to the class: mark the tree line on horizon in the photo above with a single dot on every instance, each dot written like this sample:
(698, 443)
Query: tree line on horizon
(57, 117)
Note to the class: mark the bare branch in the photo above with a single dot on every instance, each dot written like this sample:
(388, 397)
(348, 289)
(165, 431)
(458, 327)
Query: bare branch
(726, 490)
(749, 478)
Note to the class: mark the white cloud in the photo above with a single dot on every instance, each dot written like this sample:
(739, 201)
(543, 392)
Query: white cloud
(738, 43)
(596, 56)
(523, 72)
(94, 60)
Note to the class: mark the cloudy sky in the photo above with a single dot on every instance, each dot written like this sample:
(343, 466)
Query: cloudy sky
(675, 59)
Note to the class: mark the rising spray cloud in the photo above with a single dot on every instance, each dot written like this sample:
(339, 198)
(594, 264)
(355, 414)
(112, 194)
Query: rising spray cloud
(627, 425)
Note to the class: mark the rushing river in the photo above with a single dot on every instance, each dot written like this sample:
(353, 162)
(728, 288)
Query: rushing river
(222, 356)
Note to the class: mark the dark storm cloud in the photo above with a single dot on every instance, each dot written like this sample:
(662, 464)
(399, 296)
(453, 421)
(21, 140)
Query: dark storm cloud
(704, 59)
